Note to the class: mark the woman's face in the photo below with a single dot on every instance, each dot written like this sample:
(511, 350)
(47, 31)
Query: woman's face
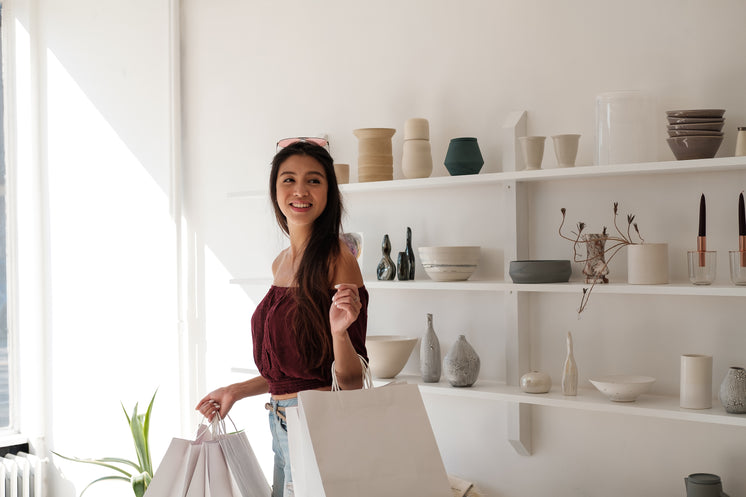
(301, 189)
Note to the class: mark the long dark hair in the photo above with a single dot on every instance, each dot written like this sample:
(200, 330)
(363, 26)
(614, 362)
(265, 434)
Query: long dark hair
(312, 295)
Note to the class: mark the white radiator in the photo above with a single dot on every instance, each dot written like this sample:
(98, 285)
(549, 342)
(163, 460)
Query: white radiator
(21, 476)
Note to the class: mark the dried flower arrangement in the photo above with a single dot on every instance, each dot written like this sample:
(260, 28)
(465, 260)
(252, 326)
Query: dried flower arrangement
(598, 255)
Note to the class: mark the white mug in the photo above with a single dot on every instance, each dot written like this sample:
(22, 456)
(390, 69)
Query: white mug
(696, 381)
(566, 149)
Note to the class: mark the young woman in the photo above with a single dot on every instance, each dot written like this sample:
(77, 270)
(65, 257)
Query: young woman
(315, 312)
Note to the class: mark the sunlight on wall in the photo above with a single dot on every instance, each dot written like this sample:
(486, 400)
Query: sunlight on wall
(112, 262)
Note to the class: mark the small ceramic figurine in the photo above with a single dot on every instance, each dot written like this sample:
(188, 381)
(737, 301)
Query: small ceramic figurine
(410, 253)
(570, 371)
(386, 269)
(402, 267)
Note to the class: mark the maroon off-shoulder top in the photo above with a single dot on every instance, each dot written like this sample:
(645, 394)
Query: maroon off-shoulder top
(275, 352)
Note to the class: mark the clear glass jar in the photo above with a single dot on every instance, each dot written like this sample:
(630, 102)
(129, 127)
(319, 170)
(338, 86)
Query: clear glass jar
(625, 129)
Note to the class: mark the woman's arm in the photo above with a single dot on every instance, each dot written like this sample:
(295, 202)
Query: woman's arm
(222, 399)
(344, 311)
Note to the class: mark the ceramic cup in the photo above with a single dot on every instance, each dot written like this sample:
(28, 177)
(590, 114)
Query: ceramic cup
(696, 381)
(533, 150)
(566, 149)
(647, 264)
(343, 173)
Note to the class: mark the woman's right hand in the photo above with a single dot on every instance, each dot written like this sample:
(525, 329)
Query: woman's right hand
(218, 401)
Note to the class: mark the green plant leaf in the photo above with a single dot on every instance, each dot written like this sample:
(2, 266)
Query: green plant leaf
(104, 478)
(105, 462)
(146, 431)
(140, 483)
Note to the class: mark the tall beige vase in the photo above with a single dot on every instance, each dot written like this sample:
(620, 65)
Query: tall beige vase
(375, 161)
(417, 159)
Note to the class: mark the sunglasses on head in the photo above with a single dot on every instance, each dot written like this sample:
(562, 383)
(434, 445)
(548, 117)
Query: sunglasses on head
(286, 142)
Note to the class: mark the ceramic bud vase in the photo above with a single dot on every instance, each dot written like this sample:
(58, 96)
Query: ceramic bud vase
(417, 159)
(595, 269)
(386, 269)
(733, 391)
(461, 364)
(410, 253)
(570, 371)
(402, 267)
(375, 161)
(430, 354)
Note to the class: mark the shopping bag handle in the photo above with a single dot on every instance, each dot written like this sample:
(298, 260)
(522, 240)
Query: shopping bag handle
(367, 377)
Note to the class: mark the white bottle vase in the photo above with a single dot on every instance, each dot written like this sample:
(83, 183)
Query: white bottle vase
(461, 364)
(430, 354)
(570, 371)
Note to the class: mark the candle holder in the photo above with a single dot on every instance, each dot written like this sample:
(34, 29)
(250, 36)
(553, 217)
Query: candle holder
(703, 266)
(738, 267)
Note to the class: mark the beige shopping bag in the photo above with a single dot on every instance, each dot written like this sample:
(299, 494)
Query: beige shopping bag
(365, 443)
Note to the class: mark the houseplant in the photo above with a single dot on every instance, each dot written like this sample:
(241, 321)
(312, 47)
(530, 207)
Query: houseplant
(600, 248)
(139, 473)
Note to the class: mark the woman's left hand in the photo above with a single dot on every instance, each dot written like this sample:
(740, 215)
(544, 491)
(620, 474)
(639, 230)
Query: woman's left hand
(345, 308)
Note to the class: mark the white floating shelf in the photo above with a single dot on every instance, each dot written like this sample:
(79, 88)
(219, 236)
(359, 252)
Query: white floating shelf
(664, 167)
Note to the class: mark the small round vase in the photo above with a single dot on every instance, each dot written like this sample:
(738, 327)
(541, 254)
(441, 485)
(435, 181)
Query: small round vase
(733, 391)
(536, 382)
(461, 364)
(463, 156)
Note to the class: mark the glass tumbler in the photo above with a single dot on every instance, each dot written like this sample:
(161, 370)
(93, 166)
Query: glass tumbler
(738, 267)
(625, 128)
(702, 266)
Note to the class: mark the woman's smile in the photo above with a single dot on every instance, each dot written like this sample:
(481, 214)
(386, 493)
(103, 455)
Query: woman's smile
(301, 189)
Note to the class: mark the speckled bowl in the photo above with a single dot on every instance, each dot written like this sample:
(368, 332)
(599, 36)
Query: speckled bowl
(622, 388)
(540, 271)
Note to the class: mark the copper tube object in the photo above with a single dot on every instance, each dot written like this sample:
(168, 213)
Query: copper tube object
(702, 248)
(742, 249)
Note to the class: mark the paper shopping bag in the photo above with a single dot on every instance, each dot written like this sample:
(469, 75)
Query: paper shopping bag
(365, 443)
(243, 465)
(175, 470)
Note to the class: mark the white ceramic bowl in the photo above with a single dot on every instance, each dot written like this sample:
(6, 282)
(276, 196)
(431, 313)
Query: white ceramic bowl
(449, 263)
(387, 354)
(622, 388)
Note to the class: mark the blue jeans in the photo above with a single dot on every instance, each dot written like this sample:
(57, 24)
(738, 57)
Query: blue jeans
(282, 481)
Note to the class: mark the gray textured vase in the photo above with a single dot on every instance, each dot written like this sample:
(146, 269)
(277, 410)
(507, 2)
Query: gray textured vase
(733, 391)
(461, 364)
(430, 354)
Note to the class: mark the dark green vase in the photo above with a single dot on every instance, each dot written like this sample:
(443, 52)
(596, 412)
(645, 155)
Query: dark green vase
(463, 157)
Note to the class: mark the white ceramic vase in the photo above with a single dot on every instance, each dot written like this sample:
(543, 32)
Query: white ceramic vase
(430, 366)
(461, 364)
(570, 371)
(733, 391)
(536, 382)
(647, 264)
(417, 158)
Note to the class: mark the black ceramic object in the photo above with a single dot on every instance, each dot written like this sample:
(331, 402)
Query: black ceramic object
(463, 156)
(386, 269)
(402, 267)
(410, 253)
(540, 271)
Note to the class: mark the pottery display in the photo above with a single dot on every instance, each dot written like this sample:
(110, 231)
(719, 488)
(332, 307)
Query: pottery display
(540, 271)
(449, 263)
(461, 364)
(417, 158)
(375, 161)
(536, 382)
(733, 391)
(402, 266)
(463, 156)
(410, 253)
(595, 269)
(695, 133)
(570, 371)
(566, 149)
(622, 388)
(388, 354)
(695, 390)
(386, 269)
(430, 359)
(647, 264)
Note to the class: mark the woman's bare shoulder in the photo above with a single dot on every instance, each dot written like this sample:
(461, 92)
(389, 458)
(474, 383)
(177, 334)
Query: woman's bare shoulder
(345, 269)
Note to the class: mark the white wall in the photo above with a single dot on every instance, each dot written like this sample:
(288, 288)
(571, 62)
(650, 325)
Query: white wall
(256, 72)
(97, 321)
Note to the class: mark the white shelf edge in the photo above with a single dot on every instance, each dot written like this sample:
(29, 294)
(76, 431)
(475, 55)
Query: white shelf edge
(588, 399)
(475, 285)
(589, 171)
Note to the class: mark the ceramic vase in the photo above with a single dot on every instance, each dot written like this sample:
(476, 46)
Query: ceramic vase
(417, 158)
(375, 161)
(733, 391)
(536, 382)
(570, 371)
(430, 354)
(647, 264)
(463, 156)
(402, 266)
(386, 269)
(595, 269)
(461, 364)
(410, 253)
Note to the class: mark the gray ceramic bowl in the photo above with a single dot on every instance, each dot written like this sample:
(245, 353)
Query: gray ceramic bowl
(694, 147)
(701, 126)
(693, 132)
(695, 120)
(540, 271)
(696, 113)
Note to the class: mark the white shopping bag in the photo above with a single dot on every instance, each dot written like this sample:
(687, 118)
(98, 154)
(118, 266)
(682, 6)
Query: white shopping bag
(364, 443)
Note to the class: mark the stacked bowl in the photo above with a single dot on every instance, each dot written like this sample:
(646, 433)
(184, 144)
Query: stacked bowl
(695, 133)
